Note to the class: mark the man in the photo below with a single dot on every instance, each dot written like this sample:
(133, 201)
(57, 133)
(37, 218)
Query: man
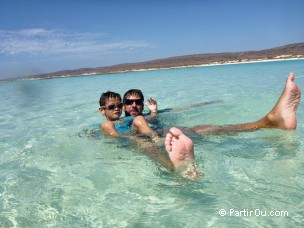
(282, 116)
(133, 101)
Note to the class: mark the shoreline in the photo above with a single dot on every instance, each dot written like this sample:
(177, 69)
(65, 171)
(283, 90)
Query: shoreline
(233, 62)
(186, 66)
(215, 64)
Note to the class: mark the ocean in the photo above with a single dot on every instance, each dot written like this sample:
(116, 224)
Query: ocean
(58, 170)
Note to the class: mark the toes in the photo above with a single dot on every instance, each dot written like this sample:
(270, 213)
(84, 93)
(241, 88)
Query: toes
(176, 132)
(168, 142)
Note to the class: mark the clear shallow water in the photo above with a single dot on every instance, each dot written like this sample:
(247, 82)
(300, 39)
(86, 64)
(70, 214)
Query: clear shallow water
(57, 170)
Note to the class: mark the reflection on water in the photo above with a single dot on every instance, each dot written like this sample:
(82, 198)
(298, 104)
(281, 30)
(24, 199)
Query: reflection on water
(57, 169)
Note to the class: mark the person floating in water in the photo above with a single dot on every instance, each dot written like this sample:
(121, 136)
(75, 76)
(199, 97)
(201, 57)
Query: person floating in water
(111, 107)
(282, 116)
(179, 147)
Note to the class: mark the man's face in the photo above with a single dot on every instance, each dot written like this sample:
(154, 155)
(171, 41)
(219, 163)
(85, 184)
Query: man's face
(134, 105)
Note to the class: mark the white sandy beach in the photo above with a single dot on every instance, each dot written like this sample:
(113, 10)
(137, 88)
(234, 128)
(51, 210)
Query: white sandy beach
(245, 61)
(199, 65)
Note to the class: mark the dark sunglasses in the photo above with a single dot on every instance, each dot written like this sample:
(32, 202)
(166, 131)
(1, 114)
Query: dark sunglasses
(131, 101)
(113, 106)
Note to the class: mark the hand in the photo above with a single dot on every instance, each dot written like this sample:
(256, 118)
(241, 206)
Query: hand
(152, 105)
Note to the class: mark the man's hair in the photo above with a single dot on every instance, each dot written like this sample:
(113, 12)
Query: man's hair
(133, 92)
(108, 95)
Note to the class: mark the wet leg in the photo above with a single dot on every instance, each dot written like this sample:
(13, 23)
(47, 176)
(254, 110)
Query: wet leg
(282, 116)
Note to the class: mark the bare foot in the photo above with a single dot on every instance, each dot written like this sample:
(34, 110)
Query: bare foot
(283, 115)
(179, 147)
(181, 153)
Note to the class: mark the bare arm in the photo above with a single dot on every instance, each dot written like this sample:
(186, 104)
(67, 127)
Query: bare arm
(108, 128)
(141, 125)
(145, 145)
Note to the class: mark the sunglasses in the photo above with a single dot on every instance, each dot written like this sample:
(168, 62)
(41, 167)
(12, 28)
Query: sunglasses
(113, 106)
(131, 101)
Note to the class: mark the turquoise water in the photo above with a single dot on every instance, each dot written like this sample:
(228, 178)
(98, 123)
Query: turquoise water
(57, 170)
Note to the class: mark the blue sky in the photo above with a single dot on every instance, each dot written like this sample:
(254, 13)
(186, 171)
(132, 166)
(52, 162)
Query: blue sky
(41, 36)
